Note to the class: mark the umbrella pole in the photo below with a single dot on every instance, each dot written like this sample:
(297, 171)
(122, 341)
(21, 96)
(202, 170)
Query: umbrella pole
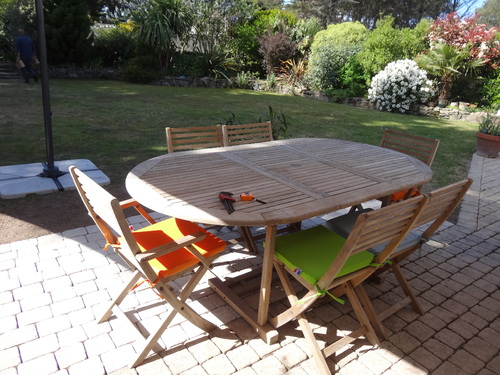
(49, 169)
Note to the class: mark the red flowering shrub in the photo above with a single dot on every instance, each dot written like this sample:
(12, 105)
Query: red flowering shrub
(484, 43)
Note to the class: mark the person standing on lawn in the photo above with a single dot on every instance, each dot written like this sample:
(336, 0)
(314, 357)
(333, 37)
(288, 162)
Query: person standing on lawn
(26, 51)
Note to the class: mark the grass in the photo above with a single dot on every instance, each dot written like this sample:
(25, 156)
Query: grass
(117, 125)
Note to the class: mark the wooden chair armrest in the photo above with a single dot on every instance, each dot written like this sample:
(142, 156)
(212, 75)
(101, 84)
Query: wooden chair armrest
(171, 246)
(133, 203)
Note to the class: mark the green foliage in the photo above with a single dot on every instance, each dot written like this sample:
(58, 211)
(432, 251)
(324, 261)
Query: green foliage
(346, 33)
(142, 69)
(352, 82)
(489, 13)
(67, 29)
(331, 50)
(491, 92)
(447, 63)
(386, 44)
(326, 63)
(114, 46)
(270, 81)
(303, 34)
(488, 126)
(279, 123)
(188, 64)
(245, 36)
(14, 15)
(160, 23)
(245, 80)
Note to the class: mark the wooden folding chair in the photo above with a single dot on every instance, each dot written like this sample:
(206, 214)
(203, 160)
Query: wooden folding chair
(423, 149)
(193, 138)
(247, 133)
(325, 263)
(158, 253)
(442, 202)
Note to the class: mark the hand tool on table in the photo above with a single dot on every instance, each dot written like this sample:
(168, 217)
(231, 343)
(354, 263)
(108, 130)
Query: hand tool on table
(250, 197)
(227, 200)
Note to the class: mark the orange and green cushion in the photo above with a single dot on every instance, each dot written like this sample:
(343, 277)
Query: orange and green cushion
(309, 253)
(174, 229)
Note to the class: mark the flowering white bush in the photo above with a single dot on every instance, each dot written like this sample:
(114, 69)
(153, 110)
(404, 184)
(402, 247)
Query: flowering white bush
(399, 85)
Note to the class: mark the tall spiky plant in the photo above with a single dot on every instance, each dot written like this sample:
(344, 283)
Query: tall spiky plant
(447, 63)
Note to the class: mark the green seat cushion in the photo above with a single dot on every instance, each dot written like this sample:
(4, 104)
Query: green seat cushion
(343, 225)
(311, 252)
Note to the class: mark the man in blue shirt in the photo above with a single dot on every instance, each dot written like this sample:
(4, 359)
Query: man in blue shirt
(25, 49)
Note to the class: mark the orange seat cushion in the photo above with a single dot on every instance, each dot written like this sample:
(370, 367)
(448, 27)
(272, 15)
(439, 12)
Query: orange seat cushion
(174, 229)
(402, 194)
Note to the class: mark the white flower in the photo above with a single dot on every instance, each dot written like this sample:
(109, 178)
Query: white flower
(399, 85)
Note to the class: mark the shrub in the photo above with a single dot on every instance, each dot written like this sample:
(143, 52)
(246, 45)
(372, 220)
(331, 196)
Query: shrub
(245, 80)
(386, 44)
(115, 45)
(188, 65)
(399, 85)
(346, 33)
(275, 48)
(326, 63)
(142, 69)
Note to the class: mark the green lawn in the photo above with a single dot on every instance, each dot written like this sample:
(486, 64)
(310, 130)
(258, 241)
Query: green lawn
(117, 125)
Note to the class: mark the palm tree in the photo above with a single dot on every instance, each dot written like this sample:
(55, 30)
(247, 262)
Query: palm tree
(161, 24)
(447, 63)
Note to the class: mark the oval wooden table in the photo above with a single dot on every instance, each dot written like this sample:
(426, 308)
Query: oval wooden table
(297, 178)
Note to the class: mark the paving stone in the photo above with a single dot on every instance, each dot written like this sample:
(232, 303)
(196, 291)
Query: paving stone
(8, 323)
(240, 357)
(420, 331)
(18, 337)
(449, 338)
(179, 360)
(481, 349)
(117, 358)
(463, 328)
(376, 362)
(269, 365)
(53, 325)
(66, 306)
(203, 349)
(98, 345)
(466, 362)
(41, 366)
(70, 355)
(9, 358)
(38, 348)
(90, 366)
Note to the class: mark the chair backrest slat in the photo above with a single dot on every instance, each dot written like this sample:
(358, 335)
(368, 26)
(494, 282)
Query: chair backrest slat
(421, 148)
(442, 203)
(247, 133)
(388, 225)
(193, 138)
(106, 212)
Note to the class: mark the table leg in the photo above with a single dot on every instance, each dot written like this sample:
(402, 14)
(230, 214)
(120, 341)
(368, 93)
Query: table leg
(248, 239)
(257, 319)
(267, 273)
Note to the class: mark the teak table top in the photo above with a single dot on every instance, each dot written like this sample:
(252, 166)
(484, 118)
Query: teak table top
(298, 178)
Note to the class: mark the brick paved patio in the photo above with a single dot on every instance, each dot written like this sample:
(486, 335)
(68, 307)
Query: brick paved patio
(53, 287)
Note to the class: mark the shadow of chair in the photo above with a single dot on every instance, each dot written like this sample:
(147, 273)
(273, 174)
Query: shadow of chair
(325, 263)
(158, 253)
(193, 138)
(233, 135)
(442, 202)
